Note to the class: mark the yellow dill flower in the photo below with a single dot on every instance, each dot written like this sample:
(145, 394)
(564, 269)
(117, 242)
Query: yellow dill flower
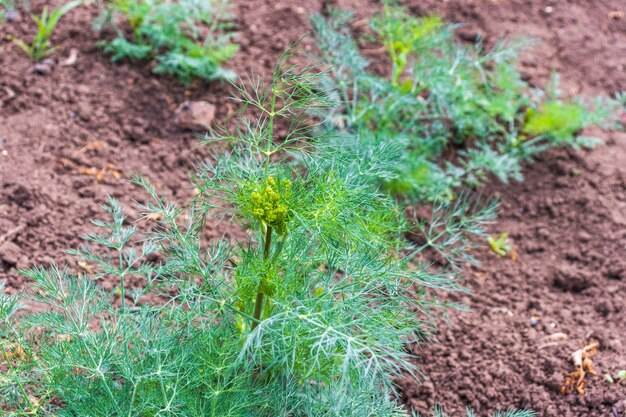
(269, 204)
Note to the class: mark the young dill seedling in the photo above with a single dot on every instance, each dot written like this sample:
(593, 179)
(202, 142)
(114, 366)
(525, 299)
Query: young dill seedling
(188, 38)
(40, 47)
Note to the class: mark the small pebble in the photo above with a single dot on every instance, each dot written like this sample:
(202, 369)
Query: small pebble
(44, 67)
(13, 16)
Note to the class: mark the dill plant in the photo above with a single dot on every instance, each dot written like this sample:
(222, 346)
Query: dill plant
(460, 113)
(307, 316)
(189, 39)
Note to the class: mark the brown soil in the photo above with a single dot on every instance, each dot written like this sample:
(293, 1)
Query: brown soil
(567, 221)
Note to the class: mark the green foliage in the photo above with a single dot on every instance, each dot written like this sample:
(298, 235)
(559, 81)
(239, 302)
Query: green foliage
(308, 316)
(555, 118)
(458, 112)
(40, 47)
(403, 35)
(451, 227)
(188, 38)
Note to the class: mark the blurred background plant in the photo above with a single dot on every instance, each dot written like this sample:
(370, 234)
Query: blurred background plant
(189, 39)
(40, 46)
(459, 113)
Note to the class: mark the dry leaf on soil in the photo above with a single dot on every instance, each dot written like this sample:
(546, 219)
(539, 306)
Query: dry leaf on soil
(582, 362)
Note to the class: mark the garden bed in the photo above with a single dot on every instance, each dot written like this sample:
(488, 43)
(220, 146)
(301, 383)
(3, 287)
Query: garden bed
(74, 135)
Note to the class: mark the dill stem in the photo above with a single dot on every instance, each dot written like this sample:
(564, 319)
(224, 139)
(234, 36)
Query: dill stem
(258, 306)
(270, 127)
(122, 283)
(268, 242)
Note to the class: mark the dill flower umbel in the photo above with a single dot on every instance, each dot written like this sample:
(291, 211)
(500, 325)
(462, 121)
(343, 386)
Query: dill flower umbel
(269, 204)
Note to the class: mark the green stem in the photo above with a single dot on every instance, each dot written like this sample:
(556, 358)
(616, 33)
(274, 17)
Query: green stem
(270, 127)
(122, 283)
(270, 123)
(258, 306)
(391, 51)
(268, 242)
(101, 374)
(163, 393)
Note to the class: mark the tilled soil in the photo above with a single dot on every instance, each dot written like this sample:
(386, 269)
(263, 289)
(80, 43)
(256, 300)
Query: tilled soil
(567, 221)
(567, 224)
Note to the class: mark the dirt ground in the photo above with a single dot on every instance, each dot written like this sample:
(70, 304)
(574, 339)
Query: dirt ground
(567, 222)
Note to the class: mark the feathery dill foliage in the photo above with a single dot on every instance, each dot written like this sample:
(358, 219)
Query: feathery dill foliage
(458, 112)
(190, 39)
(309, 316)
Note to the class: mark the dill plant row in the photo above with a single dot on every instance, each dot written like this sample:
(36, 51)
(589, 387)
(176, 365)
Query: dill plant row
(189, 39)
(460, 113)
(307, 316)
